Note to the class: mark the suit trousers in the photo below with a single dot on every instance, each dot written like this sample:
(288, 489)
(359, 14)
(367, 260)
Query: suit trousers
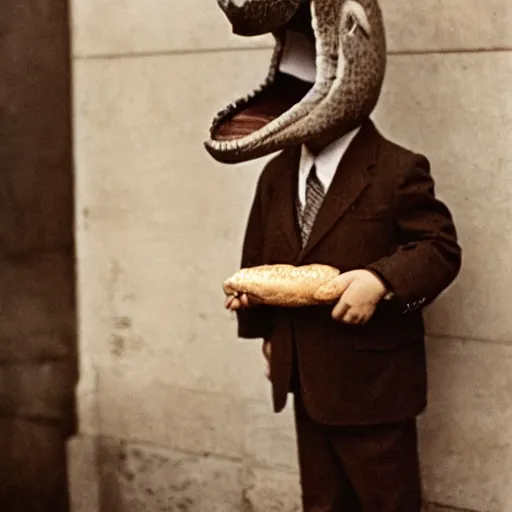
(357, 469)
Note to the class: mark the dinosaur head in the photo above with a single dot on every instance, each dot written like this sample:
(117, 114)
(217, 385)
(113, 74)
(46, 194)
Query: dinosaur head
(329, 86)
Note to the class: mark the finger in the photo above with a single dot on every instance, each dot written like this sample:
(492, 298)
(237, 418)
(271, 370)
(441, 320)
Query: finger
(244, 300)
(340, 309)
(235, 305)
(351, 317)
(333, 289)
(368, 315)
(229, 301)
(364, 319)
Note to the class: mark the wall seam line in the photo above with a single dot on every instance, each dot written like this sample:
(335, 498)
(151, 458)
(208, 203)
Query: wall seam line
(205, 51)
(455, 337)
(447, 51)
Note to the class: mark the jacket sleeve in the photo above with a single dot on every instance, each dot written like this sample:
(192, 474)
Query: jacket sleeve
(428, 257)
(257, 321)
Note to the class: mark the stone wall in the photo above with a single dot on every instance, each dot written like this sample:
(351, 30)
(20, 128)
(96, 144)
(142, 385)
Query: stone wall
(174, 412)
(37, 273)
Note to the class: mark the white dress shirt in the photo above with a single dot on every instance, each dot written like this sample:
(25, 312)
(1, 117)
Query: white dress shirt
(326, 162)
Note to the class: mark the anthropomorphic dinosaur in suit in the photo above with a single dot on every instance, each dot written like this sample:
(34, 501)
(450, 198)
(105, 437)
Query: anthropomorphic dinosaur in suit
(346, 243)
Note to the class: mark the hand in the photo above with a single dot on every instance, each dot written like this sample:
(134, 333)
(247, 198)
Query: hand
(267, 354)
(361, 291)
(236, 302)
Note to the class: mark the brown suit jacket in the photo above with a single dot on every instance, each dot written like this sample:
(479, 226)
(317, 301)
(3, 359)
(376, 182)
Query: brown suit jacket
(380, 213)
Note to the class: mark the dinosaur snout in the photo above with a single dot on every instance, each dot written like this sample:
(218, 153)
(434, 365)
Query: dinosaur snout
(255, 17)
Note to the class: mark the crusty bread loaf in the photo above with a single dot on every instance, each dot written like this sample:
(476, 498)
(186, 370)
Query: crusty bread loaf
(282, 285)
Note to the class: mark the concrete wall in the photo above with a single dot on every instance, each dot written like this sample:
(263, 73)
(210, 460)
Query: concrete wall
(174, 412)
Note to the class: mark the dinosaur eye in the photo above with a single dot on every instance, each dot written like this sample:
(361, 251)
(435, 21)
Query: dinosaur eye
(352, 26)
(355, 21)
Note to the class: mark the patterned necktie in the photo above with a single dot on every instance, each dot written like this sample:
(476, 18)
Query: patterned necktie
(315, 193)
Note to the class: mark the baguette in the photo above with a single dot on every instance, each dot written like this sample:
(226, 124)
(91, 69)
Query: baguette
(282, 285)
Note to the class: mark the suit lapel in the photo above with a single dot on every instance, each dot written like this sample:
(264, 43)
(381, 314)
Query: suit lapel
(350, 180)
(286, 190)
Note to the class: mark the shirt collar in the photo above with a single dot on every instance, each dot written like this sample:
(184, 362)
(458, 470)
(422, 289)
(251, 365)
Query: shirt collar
(328, 160)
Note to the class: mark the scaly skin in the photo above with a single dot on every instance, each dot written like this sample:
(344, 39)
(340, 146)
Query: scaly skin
(254, 17)
(351, 62)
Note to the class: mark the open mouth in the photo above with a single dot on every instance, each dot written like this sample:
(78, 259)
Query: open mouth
(293, 106)
(243, 122)
(270, 103)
